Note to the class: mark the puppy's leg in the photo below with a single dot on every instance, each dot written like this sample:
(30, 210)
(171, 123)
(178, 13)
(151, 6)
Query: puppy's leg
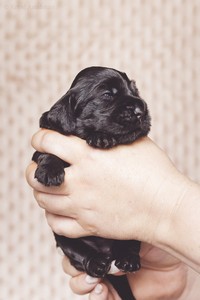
(50, 169)
(121, 285)
(83, 257)
(127, 255)
(101, 140)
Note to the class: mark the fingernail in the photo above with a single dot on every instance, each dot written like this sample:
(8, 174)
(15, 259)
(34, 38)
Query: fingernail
(89, 279)
(98, 289)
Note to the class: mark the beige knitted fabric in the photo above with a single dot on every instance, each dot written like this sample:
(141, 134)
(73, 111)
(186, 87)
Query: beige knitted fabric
(43, 45)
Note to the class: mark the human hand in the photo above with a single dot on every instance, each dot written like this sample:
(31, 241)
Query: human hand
(117, 193)
(83, 284)
(127, 192)
(161, 277)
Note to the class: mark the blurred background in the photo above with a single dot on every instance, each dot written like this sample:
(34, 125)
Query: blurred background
(44, 44)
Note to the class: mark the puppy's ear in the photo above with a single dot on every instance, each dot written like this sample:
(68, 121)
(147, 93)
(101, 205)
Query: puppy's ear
(61, 116)
(134, 88)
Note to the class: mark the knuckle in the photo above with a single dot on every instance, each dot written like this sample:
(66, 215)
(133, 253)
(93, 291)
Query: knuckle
(77, 285)
(39, 198)
(58, 224)
(41, 201)
(29, 173)
(29, 177)
(51, 142)
(65, 265)
(50, 220)
(73, 285)
(57, 227)
(46, 140)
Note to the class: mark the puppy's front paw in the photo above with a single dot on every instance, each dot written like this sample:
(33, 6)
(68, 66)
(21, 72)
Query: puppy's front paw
(103, 141)
(50, 176)
(128, 264)
(98, 266)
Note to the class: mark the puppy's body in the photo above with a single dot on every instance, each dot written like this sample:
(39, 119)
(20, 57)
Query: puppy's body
(103, 107)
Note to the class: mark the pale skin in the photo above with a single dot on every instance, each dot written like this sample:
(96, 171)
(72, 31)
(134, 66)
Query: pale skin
(127, 192)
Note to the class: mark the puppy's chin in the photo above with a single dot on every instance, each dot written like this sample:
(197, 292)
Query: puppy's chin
(132, 122)
(136, 127)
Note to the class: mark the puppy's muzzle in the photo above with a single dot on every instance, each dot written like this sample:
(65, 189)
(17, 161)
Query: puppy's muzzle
(133, 110)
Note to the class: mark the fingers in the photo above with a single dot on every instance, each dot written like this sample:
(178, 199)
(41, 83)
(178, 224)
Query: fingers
(55, 204)
(60, 211)
(66, 226)
(68, 268)
(104, 291)
(32, 181)
(101, 292)
(69, 149)
(82, 284)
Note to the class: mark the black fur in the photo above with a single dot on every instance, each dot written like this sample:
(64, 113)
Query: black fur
(103, 107)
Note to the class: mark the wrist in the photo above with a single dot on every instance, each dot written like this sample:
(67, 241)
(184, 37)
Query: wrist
(192, 286)
(178, 221)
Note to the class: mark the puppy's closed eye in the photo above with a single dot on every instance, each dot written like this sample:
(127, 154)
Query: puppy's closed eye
(110, 93)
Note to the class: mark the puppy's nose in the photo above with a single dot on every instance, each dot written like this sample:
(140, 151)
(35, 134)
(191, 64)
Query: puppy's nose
(139, 112)
(140, 108)
(136, 107)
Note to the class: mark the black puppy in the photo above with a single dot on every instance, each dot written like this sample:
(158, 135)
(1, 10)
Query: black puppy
(104, 108)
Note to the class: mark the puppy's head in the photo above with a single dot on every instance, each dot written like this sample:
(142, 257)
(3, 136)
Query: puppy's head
(100, 100)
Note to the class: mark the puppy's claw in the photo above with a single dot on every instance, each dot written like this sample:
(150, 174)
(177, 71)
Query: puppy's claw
(98, 266)
(101, 141)
(47, 177)
(128, 264)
